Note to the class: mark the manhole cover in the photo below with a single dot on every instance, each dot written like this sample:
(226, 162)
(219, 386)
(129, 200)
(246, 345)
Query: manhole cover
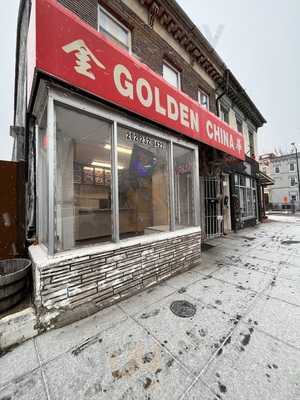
(183, 309)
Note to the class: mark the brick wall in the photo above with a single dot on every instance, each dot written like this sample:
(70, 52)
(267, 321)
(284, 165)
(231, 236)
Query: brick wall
(101, 279)
(85, 9)
(147, 45)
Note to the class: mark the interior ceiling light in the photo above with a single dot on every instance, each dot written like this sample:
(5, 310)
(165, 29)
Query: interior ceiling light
(121, 149)
(104, 165)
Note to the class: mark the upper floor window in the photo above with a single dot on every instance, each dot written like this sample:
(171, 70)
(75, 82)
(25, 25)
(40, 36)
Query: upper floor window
(224, 114)
(292, 167)
(293, 181)
(114, 29)
(239, 125)
(203, 99)
(171, 75)
(277, 170)
(251, 144)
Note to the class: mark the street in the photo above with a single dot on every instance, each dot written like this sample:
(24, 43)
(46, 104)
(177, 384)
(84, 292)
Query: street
(242, 343)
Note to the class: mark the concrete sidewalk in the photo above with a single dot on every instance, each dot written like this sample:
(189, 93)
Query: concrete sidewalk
(243, 343)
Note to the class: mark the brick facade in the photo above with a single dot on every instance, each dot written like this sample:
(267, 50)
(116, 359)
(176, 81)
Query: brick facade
(85, 9)
(147, 45)
(98, 280)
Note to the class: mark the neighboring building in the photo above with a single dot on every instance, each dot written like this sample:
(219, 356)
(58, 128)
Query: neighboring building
(116, 115)
(283, 170)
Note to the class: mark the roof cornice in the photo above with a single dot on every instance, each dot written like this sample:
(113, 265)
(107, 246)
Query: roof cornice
(177, 23)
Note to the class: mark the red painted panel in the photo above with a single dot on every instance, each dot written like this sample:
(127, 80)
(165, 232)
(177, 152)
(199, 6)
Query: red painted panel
(72, 51)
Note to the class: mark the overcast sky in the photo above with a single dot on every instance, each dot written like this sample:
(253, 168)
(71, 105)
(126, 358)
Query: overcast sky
(260, 44)
(258, 40)
(8, 27)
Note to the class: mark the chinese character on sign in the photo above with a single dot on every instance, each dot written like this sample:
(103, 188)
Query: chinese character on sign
(239, 145)
(84, 57)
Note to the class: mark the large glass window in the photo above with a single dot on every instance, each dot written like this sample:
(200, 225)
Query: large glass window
(246, 188)
(43, 184)
(96, 162)
(83, 179)
(143, 172)
(184, 187)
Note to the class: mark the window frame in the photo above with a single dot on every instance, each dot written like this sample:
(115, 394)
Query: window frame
(251, 142)
(239, 121)
(118, 22)
(222, 109)
(275, 167)
(250, 187)
(293, 179)
(174, 69)
(292, 164)
(98, 109)
(203, 92)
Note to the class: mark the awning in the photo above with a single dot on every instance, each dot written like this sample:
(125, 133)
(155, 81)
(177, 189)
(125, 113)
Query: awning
(264, 179)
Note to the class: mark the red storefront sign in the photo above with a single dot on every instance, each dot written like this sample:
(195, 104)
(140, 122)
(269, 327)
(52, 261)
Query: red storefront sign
(72, 51)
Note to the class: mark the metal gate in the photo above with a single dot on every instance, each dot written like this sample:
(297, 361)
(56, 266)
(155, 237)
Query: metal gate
(212, 207)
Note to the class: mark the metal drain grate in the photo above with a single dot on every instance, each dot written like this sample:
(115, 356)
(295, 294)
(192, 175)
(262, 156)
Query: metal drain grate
(183, 309)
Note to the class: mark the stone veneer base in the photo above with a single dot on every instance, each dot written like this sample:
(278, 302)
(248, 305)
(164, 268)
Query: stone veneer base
(75, 284)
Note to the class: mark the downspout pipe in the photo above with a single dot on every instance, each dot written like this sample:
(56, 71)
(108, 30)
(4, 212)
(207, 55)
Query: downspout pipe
(17, 55)
(226, 78)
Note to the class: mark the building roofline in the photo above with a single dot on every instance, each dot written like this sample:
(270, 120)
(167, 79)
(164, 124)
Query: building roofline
(273, 157)
(178, 23)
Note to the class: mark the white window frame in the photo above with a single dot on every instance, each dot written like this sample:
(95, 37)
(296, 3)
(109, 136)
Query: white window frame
(277, 166)
(247, 189)
(167, 64)
(66, 98)
(203, 93)
(103, 10)
(295, 181)
(292, 170)
(222, 107)
(293, 194)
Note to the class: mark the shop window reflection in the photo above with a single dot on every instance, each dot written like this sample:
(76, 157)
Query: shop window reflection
(143, 183)
(83, 179)
(184, 187)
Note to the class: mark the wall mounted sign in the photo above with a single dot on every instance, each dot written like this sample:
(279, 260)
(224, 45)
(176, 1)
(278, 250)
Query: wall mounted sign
(69, 49)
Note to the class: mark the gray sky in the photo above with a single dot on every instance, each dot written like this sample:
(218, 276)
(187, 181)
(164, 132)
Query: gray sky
(258, 40)
(260, 44)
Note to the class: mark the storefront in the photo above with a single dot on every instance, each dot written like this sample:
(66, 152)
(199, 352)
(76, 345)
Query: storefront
(245, 194)
(104, 177)
(245, 187)
(117, 169)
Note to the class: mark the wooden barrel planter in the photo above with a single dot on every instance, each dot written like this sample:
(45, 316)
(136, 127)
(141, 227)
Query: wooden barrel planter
(14, 276)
